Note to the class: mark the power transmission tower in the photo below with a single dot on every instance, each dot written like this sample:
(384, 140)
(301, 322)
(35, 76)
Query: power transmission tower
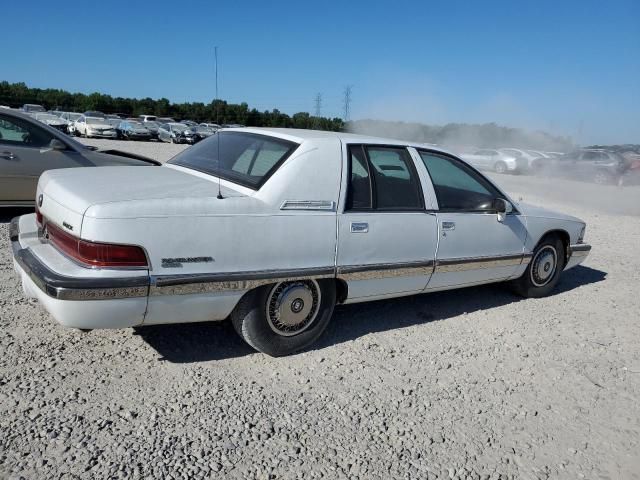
(316, 122)
(347, 103)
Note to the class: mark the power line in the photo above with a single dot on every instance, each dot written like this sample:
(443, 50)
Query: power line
(347, 103)
(316, 120)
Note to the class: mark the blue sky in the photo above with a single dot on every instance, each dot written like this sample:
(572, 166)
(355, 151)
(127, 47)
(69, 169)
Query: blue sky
(570, 67)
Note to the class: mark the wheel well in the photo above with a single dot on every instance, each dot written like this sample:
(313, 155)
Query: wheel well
(342, 290)
(564, 237)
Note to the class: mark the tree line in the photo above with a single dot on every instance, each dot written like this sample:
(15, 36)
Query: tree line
(17, 94)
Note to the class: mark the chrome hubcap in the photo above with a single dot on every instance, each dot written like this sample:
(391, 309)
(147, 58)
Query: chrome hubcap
(293, 306)
(543, 266)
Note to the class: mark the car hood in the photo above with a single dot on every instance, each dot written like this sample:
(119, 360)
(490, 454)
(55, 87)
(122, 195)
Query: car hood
(540, 212)
(126, 192)
(99, 126)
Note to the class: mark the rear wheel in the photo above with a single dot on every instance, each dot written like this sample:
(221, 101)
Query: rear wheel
(500, 167)
(283, 318)
(602, 177)
(543, 272)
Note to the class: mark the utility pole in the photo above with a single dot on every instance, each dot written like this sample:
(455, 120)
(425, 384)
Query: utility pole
(347, 103)
(318, 100)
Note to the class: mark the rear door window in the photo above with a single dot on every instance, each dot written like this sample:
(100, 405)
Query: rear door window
(383, 178)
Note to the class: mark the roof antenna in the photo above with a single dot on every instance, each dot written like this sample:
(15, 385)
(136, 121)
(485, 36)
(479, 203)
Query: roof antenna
(220, 197)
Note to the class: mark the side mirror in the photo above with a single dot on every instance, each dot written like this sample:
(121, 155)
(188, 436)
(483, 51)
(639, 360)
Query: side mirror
(56, 144)
(503, 207)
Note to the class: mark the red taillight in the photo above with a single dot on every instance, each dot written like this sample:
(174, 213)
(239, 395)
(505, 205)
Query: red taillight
(38, 216)
(96, 254)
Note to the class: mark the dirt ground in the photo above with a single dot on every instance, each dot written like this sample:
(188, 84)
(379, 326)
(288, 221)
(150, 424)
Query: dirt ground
(474, 383)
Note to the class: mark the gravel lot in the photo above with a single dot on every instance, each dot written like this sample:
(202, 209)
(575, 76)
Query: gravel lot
(474, 383)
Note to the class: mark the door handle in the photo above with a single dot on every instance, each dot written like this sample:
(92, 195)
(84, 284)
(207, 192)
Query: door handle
(8, 155)
(359, 227)
(448, 225)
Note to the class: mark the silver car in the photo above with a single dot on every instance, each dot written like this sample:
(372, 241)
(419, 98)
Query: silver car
(492, 160)
(29, 147)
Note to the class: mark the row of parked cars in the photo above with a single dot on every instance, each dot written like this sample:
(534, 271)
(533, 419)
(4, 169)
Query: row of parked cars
(95, 124)
(599, 166)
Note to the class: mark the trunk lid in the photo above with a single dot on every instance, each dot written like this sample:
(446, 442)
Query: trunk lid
(64, 195)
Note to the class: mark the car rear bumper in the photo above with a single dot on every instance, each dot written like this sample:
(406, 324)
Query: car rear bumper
(79, 302)
(577, 254)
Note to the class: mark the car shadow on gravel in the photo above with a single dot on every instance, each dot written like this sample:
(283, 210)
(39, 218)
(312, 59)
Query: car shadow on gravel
(6, 214)
(201, 342)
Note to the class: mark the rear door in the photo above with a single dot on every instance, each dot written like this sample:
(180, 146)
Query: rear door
(386, 238)
(476, 245)
(24, 155)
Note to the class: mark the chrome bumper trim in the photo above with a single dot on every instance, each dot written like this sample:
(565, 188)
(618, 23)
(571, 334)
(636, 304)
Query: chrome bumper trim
(579, 250)
(62, 287)
(476, 263)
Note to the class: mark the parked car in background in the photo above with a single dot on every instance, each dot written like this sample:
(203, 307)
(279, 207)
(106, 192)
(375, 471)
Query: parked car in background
(538, 154)
(201, 132)
(346, 221)
(70, 119)
(153, 127)
(33, 108)
(213, 126)
(29, 147)
(94, 114)
(147, 118)
(175, 133)
(593, 165)
(189, 123)
(494, 160)
(165, 120)
(521, 155)
(114, 122)
(130, 130)
(94, 127)
(53, 121)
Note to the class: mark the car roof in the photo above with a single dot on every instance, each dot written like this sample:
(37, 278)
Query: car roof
(300, 135)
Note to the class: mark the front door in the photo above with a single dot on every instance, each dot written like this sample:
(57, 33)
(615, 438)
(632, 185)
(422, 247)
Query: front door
(386, 238)
(476, 244)
(24, 155)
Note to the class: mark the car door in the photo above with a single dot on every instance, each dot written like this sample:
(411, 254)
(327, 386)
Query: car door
(386, 238)
(24, 155)
(476, 245)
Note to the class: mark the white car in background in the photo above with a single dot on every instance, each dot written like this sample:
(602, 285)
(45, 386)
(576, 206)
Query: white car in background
(522, 155)
(70, 118)
(273, 228)
(94, 127)
(52, 120)
(493, 160)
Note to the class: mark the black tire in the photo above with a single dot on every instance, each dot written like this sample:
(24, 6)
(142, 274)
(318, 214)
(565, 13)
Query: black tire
(536, 281)
(250, 321)
(602, 177)
(500, 167)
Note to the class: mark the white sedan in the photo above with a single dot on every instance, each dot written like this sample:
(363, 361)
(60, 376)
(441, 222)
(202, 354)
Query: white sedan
(94, 127)
(273, 228)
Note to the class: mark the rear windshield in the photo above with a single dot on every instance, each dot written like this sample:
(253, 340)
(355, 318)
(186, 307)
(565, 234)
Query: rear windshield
(245, 158)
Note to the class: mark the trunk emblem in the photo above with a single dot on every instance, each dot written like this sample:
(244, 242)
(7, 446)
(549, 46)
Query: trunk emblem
(67, 226)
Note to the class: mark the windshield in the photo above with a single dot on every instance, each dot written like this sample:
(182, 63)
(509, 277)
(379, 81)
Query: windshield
(136, 124)
(245, 158)
(177, 127)
(74, 116)
(95, 121)
(151, 124)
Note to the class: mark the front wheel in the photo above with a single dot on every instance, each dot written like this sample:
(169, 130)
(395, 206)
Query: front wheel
(543, 272)
(500, 167)
(602, 177)
(283, 318)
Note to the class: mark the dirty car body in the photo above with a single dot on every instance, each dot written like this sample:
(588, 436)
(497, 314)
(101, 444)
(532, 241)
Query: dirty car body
(276, 231)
